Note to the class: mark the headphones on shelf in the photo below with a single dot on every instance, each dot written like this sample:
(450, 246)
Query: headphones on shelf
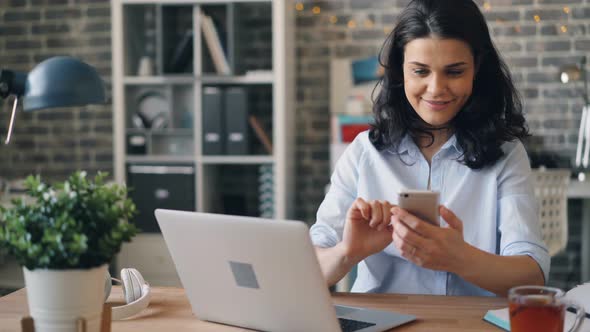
(135, 290)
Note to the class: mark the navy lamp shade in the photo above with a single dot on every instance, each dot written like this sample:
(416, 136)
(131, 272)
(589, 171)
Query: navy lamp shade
(60, 81)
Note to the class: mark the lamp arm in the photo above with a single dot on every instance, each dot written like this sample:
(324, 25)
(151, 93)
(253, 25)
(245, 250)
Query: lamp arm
(586, 92)
(584, 78)
(12, 83)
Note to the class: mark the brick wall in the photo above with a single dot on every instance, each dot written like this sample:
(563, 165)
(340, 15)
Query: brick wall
(533, 50)
(54, 143)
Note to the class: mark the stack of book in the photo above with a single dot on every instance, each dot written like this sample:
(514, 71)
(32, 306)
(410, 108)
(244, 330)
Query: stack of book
(181, 57)
(214, 45)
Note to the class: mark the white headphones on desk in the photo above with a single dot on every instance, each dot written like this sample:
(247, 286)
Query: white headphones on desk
(135, 290)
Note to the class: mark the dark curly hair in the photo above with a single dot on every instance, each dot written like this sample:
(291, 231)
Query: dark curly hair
(493, 113)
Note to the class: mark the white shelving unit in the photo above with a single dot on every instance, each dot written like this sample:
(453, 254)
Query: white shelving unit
(184, 90)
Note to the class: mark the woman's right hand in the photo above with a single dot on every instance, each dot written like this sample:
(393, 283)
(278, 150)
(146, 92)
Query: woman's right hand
(367, 230)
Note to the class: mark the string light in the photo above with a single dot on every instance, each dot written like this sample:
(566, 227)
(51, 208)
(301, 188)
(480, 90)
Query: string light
(368, 23)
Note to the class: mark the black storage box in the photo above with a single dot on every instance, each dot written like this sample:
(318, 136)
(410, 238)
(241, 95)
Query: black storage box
(160, 186)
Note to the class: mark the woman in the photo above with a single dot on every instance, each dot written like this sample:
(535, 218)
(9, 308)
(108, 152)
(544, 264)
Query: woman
(448, 119)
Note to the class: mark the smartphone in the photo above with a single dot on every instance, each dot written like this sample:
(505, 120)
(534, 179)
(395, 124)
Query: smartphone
(421, 203)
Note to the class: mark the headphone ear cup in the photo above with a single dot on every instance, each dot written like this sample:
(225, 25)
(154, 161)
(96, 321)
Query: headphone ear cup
(137, 275)
(131, 284)
(126, 285)
(107, 285)
(136, 292)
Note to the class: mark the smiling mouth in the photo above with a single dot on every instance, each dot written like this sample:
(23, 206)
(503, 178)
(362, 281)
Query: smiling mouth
(438, 102)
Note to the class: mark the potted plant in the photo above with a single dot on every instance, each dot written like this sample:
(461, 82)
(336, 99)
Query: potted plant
(64, 236)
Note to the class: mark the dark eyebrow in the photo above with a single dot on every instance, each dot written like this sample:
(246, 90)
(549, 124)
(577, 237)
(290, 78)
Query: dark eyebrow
(418, 64)
(457, 64)
(452, 65)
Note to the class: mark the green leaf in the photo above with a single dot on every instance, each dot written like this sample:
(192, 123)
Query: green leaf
(70, 224)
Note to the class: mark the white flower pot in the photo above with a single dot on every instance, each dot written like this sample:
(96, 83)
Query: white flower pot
(57, 298)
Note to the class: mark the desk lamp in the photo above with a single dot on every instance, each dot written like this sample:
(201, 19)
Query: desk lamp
(56, 82)
(573, 73)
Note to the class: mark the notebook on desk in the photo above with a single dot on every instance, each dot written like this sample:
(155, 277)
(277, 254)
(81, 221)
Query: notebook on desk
(260, 274)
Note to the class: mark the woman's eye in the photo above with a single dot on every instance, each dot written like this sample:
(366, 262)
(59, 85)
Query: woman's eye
(420, 72)
(455, 72)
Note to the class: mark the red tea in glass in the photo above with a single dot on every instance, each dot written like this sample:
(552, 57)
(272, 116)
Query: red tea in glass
(536, 314)
(538, 309)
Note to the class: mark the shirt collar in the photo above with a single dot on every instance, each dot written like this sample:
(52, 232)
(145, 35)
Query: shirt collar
(408, 145)
(453, 146)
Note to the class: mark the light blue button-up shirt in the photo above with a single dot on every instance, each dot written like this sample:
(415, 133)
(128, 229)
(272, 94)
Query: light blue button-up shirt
(496, 205)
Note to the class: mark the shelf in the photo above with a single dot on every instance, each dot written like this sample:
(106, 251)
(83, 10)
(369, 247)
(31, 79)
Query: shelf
(163, 131)
(151, 80)
(241, 160)
(189, 2)
(257, 38)
(266, 78)
(160, 159)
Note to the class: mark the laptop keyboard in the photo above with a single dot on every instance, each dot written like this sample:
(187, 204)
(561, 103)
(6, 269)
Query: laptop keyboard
(349, 325)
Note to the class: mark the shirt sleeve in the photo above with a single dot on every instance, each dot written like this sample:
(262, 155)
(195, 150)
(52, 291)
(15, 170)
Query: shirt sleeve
(331, 215)
(518, 224)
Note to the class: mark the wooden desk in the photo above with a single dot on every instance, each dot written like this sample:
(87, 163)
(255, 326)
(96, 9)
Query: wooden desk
(169, 310)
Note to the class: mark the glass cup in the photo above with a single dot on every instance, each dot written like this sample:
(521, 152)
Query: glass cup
(540, 309)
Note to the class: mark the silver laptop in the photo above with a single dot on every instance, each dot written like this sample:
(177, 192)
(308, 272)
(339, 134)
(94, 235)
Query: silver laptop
(260, 274)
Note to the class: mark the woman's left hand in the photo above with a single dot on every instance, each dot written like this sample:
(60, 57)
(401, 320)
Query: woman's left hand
(429, 246)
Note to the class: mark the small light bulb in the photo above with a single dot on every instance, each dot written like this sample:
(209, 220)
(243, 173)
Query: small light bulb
(565, 78)
(537, 18)
(316, 10)
(299, 6)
